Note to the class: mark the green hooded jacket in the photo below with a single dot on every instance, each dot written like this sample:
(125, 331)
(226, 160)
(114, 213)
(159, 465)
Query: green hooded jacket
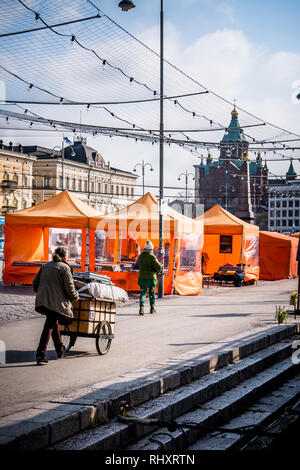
(149, 266)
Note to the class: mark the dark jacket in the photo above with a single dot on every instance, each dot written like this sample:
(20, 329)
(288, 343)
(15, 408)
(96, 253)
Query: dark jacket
(55, 288)
(149, 266)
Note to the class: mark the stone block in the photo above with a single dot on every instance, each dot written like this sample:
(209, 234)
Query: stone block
(64, 427)
(260, 343)
(185, 375)
(246, 348)
(199, 369)
(169, 382)
(87, 416)
(224, 358)
(36, 439)
(144, 393)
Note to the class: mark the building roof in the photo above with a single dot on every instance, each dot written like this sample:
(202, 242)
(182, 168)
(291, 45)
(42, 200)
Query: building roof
(291, 170)
(235, 133)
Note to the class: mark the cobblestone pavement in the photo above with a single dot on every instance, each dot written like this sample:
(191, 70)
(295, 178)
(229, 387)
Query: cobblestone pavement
(16, 303)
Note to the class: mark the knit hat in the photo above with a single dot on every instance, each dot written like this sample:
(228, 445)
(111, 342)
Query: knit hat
(148, 246)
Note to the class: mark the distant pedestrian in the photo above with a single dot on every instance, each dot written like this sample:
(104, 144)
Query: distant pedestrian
(149, 266)
(55, 291)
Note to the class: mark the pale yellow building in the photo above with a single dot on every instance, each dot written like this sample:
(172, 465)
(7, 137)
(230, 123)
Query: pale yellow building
(32, 174)
(16, 173)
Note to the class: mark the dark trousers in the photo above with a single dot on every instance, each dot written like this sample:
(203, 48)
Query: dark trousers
(51, 328)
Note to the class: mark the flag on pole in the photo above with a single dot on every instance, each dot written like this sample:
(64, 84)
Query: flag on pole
(67, 140)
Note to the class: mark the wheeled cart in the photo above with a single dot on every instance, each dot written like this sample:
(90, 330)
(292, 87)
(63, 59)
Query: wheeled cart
(93, 318)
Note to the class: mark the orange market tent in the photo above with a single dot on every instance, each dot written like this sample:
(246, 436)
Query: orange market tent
(116, 240)
(32, 234)
(229, 240)
(277, 256)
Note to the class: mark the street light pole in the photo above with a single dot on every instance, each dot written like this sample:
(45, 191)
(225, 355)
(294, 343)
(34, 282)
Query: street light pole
(127, 5)
(143, 166)
(161, 151)
(186, 175)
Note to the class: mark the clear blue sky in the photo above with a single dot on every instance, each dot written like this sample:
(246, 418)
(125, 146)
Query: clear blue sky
(273, 23)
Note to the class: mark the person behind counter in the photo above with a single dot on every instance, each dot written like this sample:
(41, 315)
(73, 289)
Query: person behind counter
(55, 290)
(149, 266)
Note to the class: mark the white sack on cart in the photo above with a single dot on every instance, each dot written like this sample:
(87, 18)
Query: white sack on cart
(105, 292)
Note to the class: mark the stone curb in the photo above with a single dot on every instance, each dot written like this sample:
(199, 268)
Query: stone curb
(219, 410)
(175, 403)
(49, 423)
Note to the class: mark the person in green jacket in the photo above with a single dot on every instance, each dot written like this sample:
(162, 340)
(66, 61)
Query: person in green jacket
(149, 266)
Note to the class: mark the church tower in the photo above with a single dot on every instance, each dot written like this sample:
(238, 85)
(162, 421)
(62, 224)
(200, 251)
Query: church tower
(234, 139)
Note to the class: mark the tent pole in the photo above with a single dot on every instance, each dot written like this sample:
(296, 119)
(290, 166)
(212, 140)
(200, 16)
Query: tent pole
(87, 251)
(297, 312)
(242, 248)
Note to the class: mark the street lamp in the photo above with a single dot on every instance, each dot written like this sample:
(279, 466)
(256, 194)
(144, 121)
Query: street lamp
(62, 151)
(143, 166)
(186, 175)
(127, 5)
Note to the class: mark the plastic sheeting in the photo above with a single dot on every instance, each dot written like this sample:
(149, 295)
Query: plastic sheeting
(117, 239)
(250, 258)
(105, 292)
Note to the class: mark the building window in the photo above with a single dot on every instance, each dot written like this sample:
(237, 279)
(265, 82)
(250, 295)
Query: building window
(290, 213)
(68, 182)
(61, 181)
(277, 213)
(127, 191)
(122, 190)
(272, 204)
(117, 190)
(132, 192)
(105, 188)
(25, 181)
(297, 203)
(290, 203)
(283, 223)
(283, 213)
(34, 182)
(291, 222)
(92, 187)
(272, 214)
(79, 185)
(283, 203)
(47, 181)
(272, 223)
(277, 203)
(99, 187)
(297, 213)
(85, 186)
(74, 184)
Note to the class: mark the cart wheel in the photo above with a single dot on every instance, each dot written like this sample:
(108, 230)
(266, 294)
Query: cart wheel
(68, 341)
(103, 341)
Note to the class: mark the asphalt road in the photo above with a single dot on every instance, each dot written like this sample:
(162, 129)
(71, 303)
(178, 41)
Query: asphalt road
(181, 324)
